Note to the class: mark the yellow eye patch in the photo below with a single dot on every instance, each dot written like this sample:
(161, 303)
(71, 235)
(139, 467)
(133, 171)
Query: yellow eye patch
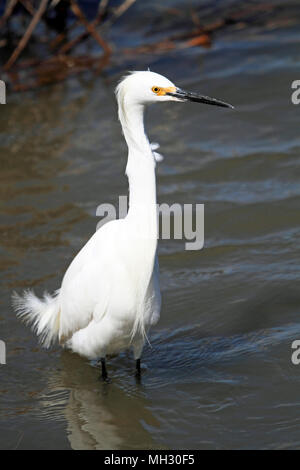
(160, 91)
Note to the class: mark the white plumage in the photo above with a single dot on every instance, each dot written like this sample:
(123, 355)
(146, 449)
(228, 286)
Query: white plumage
(110, 295)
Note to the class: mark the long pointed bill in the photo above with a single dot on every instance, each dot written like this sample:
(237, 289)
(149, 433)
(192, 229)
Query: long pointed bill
(188, 96)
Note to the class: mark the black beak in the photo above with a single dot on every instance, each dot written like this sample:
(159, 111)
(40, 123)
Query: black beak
(186, 95)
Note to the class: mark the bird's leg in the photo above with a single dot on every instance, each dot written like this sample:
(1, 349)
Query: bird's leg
(138, 368)
(104, 371)
(137, 349)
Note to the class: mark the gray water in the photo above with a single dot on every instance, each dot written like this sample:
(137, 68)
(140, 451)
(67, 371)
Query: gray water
(218, 374)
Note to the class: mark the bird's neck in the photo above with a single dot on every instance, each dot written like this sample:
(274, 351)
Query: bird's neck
(132, 120)
(142, 223)
(140, 167)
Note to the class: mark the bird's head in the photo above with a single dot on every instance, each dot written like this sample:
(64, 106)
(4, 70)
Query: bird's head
(150, 87)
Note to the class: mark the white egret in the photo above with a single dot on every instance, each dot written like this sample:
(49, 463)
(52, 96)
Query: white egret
(110, 295)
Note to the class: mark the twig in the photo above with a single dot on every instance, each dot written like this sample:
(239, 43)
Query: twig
(119, 11)
(29, 7)
(81, 37)
(58, 68)
(90, 27)
(10, 5)
(38, 14)
(103, 4)
(60, 37)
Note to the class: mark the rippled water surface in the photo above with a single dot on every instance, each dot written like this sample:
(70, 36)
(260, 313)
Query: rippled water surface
(219, 372)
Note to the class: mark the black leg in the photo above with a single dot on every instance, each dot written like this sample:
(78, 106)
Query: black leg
(104, 371)
(138, 368)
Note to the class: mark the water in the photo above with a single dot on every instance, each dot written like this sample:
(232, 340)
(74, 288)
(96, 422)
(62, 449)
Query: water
(219, 374)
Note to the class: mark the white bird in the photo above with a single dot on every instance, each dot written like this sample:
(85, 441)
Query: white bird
(110, 295)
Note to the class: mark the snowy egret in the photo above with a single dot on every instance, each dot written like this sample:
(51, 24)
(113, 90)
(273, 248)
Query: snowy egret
(110, 295)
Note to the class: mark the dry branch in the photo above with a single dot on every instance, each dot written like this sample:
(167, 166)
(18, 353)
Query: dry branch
(59, 63)
(90, 27)
(24, 40)
(10, 5)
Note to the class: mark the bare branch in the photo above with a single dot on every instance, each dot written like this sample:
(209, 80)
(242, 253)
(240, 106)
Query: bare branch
(10, 5)
(24, 40)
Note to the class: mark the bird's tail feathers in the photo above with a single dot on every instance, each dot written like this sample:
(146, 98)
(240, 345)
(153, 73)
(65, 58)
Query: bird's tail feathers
(139, 324)
(139, 328)
(41, 314)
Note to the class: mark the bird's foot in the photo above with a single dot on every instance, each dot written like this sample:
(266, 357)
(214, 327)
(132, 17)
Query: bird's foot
(105, 379)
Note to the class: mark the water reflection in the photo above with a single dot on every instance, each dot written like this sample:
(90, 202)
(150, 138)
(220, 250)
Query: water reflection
(99, 415)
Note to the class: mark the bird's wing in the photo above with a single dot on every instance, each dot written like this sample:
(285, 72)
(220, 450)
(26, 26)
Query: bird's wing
(86, 287)
(101, 307)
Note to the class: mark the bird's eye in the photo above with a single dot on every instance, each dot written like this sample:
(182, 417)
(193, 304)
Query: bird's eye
(155, 89)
